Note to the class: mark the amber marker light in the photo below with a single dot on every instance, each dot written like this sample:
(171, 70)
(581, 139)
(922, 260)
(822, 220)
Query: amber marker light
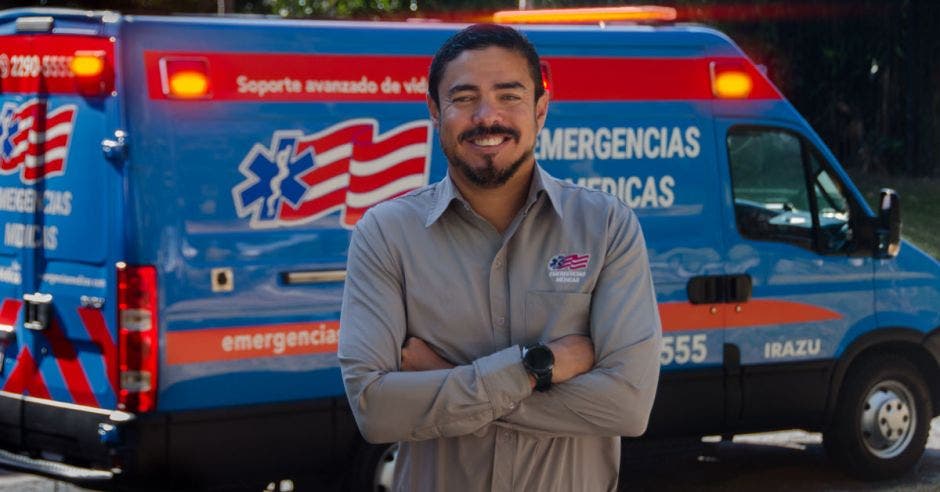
(87, 63)
(638, 13)
(91, 73)
(732, 85)
(189, 84)
(185, 78)
(730, 80)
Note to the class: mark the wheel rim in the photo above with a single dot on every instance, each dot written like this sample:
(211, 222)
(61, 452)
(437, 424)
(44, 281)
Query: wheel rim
(889, 418)
(385, 469)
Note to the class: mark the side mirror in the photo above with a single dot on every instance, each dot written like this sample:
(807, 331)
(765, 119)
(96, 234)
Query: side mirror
(888, 234)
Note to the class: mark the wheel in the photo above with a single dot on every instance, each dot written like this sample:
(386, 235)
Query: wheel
(882, 419)
(373, 469)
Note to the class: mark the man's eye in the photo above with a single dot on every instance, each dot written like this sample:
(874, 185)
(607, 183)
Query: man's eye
(461, 99)
(511, 97)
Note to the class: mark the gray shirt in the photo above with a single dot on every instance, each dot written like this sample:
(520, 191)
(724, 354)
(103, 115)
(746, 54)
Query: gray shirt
(573, 261)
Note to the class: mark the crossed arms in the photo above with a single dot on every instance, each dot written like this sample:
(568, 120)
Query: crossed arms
(400, 389)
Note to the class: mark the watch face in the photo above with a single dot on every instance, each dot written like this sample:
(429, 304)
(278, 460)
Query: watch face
(539, 358)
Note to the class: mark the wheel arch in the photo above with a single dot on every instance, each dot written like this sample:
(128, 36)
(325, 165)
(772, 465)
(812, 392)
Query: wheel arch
(923, 350)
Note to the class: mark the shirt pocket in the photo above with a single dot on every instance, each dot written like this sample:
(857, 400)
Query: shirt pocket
(551, 315)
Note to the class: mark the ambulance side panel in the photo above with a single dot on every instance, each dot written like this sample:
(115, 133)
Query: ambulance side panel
(244, 204)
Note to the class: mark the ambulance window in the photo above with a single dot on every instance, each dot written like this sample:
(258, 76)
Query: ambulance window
(769, 186)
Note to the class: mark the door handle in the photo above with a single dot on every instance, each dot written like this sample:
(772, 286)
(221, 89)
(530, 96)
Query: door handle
(738, 287)
(717, 289)
(704, 289)
(38, 311)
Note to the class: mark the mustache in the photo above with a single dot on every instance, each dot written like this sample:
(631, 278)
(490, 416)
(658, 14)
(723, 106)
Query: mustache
(485, 131)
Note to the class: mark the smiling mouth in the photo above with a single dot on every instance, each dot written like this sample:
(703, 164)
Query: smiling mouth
(489, 137)
(490, 141)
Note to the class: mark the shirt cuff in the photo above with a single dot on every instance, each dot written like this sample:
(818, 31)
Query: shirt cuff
(504, 378)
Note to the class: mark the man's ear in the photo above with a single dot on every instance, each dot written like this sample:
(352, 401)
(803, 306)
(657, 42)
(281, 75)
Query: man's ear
(541, 110)
(433, 110)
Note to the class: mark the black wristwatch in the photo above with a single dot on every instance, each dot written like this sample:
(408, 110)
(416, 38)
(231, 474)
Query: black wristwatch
(539, 360)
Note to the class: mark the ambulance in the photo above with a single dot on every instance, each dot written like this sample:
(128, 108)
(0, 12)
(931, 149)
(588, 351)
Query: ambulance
(177, 196)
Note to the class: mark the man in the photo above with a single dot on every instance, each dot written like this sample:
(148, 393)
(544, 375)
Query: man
(451, 288)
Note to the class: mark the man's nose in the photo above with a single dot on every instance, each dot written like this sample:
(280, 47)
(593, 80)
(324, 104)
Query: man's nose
(487, 113)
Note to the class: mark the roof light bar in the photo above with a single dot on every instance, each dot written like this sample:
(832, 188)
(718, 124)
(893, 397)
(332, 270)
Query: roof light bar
(638, 13)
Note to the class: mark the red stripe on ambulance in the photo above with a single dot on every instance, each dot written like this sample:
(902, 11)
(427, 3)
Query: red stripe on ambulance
(250, 342)
(76, 380)
(25, 377)
(9, 311)
(683, 316)
(22, 372)
(320, 77)
(98, 331)
(36, 385)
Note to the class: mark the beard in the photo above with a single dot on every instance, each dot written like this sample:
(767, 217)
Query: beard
(488, 176)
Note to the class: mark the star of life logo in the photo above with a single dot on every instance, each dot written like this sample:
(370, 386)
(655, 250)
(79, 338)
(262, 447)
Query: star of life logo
(568, 268)
(33, 140)
(347, 167)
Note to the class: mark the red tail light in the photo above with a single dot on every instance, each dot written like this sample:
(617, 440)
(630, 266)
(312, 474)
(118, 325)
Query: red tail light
(138, 340)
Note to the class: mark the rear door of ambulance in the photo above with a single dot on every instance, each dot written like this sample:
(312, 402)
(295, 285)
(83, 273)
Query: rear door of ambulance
(266, 141)
(58, 210)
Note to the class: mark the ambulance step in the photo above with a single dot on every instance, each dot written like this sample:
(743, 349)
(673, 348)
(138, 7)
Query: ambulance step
(53, 468)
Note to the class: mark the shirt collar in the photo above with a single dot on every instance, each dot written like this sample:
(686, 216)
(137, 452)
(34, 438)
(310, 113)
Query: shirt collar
(447, 192)
(542, 181)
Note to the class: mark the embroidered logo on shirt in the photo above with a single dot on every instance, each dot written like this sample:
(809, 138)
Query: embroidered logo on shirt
(568, 268)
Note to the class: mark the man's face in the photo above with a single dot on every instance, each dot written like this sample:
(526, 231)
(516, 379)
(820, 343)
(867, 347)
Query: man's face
(488, 117)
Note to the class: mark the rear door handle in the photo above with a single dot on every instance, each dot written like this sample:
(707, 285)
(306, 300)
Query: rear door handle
(38, 311)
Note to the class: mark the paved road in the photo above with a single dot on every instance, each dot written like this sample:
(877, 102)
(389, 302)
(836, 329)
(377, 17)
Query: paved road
(792, 460)
(778, 461)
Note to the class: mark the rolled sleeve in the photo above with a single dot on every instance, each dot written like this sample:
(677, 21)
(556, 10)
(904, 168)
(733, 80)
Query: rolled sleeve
(504, 378)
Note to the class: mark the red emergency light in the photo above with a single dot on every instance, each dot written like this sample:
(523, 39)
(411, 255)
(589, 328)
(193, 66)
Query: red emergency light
(185, 78)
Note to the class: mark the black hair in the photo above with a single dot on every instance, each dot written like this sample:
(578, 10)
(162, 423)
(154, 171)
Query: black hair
(478, 37)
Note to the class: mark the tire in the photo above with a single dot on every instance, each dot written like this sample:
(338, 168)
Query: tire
(373, 468)
(880, 426)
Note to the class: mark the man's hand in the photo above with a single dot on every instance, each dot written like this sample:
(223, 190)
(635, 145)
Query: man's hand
(574, 355)
(416, 355)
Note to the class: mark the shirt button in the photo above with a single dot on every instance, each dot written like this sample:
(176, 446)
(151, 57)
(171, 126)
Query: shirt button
(507, 437)
(512, 405)
(500, 320)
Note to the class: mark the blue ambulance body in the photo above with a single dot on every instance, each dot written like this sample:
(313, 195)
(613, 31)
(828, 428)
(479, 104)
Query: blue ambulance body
(178, 194)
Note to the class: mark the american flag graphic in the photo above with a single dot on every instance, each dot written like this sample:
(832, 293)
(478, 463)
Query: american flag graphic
(569, 262)
(34, 141)
(347, 167)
